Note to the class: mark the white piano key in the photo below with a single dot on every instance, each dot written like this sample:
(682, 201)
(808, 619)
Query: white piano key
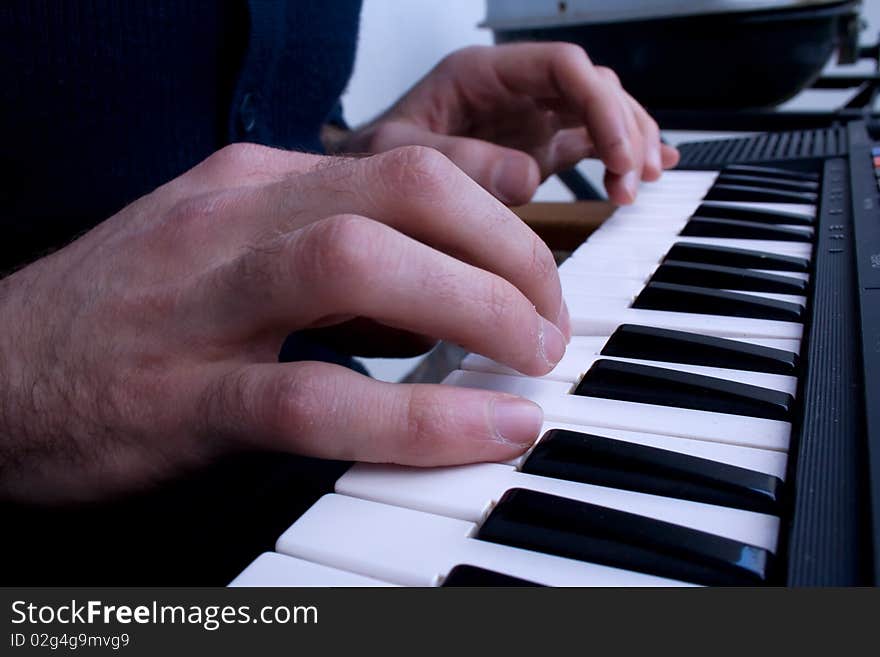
(806, 209)
(600, 285)
(274, 569)
(651, 244)
(644, 257)
(414, 548)
(649, 196)
(644, 222)
(663, 213)
(577, 361)
(612, 287)
(470, 491)
(554, 398)
(647, 228)
(666, 225)
(597, 316)
(677, 179)
(639, 269)
(685, 176)
(598, 342)
(598, 263)
(623, 248)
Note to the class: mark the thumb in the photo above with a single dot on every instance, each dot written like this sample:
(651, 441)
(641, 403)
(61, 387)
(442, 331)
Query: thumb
(328, 411)
(510, 175)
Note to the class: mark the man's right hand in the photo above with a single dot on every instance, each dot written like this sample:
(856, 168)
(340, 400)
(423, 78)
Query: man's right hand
(149, 345)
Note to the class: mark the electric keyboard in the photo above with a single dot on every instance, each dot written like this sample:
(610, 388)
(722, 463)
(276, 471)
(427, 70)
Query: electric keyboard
(714, 421)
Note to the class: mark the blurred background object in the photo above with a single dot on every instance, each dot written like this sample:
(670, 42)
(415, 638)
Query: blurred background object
(715, 53)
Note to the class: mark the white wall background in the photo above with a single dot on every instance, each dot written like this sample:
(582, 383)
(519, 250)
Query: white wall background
(401, 40)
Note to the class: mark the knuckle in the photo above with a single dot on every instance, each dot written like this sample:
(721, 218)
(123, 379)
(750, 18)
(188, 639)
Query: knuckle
(337, 251)
(415, 170)
(295, 399)
(427, 418)
(458, 58)
(542, 265)
(499, 301)
(228, 403)
(281, 406)
(571, 54)
(238, 156)
(608, 74)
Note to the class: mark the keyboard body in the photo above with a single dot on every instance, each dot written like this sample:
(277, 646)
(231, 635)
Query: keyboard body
(715, 420)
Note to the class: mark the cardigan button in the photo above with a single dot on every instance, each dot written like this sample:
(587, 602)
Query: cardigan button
(247, 112)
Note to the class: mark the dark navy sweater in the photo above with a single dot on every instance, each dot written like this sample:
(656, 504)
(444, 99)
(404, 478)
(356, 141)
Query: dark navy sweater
(102, 101)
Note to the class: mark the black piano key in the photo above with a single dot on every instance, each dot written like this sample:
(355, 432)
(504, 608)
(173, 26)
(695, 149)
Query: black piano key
(465, 575)
(767, 182)
(746, 230)
(651, 343)
(706, 301)
(770, 172)
(593, 459)
(751, 194)
(727, 278)
(646, 384)
(556, 525)
(734, 257)
(709, 211)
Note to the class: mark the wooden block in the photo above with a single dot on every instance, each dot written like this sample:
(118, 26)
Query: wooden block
(564, 226)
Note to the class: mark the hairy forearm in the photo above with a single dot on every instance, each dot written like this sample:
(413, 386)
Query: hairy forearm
(12, 436)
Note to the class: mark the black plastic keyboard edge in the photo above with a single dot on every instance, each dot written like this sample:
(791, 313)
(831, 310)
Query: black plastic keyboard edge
(824, 541)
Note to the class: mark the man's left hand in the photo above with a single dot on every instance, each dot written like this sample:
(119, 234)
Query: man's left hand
(512, 115)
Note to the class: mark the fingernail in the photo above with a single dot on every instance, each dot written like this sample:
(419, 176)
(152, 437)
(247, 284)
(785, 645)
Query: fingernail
(551, 342)
(517, 421)
(630, 182)
(564, 322)
(508, 180)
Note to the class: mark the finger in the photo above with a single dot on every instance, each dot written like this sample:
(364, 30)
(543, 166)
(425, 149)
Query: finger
(352, 266)
(564, 118)
(621, 190)
(328, 411)
(669, 155)
(658, 156)
(564, 150)
(421, 193)
(510, 175)
(650, 131)
(563, 70)
(629, 182)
